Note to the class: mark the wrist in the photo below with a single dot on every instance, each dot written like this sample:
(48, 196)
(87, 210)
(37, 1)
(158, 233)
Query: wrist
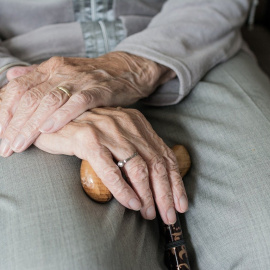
(150, 73)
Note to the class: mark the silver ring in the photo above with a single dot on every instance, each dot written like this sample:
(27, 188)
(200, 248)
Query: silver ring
(122, 163)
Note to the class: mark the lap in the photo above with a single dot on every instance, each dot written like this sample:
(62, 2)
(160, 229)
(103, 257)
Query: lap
(225, 125)
(47, 222)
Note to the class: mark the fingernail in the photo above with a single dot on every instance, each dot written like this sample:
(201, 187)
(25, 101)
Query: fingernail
(8, 153)
(135, 204)
(47, 125)
(18, 142)
(183, 203)
(151, 212)
(4, 147)
(171, 216)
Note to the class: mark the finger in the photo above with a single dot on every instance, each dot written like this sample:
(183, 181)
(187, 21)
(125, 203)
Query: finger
(30, 130)
(18, 71)
(13, 94)
(160, 183)
(84, 142)
(76, 105)
(135, 169)
(136, 172)
(174, 177)
(5, 149)
(26, 108)
(60, 142)
(177, 185)
(173, 172)
(160, 186)
(110, 174)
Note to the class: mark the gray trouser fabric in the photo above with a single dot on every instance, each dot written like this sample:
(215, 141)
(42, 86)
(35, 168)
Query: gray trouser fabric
(47, 222)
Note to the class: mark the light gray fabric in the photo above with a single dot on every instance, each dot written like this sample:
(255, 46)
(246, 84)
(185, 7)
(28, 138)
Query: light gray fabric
(48, 223)
(201, 33)
(47, 41)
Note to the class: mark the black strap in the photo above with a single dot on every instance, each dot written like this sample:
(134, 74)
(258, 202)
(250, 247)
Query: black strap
(175, 244)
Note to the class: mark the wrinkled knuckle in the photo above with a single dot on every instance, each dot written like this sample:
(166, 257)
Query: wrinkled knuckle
(30, 128)
(158, 164)
(168, 197)
(120, 191)
(139, 173)
(56, 60)
(31, 98)
(63, 113)
(11, 131)
(54, 98)
(5, 113)
(178, 186)
(148, 196)
(173, 166)
(14, 84)
(84, 97)
(111, 176)
(172, 162)
(170, 156)
(32, 125)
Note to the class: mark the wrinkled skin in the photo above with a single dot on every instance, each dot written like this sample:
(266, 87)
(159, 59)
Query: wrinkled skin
(106, 133)
(32, 103)
(102, 134)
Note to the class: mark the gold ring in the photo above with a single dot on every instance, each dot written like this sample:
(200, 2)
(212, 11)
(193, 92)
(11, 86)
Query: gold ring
(64, 89)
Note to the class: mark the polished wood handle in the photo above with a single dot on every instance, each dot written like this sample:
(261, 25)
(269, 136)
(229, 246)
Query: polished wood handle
(96, 190)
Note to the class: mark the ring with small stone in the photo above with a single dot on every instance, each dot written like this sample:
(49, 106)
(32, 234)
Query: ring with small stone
(123, 162)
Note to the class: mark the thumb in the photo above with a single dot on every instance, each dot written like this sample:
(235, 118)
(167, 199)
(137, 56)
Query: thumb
(18, 71)
(61, 142)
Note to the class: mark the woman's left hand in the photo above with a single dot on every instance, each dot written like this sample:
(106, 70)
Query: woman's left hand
(104, 134)
(33, 103)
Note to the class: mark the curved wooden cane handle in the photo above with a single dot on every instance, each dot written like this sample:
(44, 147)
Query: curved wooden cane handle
(96, 190)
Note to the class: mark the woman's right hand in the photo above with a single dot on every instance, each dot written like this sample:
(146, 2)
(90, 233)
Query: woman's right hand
(104, 134)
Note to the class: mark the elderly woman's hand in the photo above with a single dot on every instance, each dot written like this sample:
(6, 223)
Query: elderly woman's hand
(33, 103)
(105, 134)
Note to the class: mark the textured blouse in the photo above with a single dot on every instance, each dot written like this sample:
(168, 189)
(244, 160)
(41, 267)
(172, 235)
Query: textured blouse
(102, 31)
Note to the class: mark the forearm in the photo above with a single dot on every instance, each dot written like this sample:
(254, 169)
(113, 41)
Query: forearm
(190, 37)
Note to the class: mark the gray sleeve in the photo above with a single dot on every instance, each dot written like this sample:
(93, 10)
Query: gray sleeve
(7, 61)
(62, 39)
(190, 37)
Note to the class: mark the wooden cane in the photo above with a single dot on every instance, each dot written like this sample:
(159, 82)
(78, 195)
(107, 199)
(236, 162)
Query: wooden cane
(176, 257)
